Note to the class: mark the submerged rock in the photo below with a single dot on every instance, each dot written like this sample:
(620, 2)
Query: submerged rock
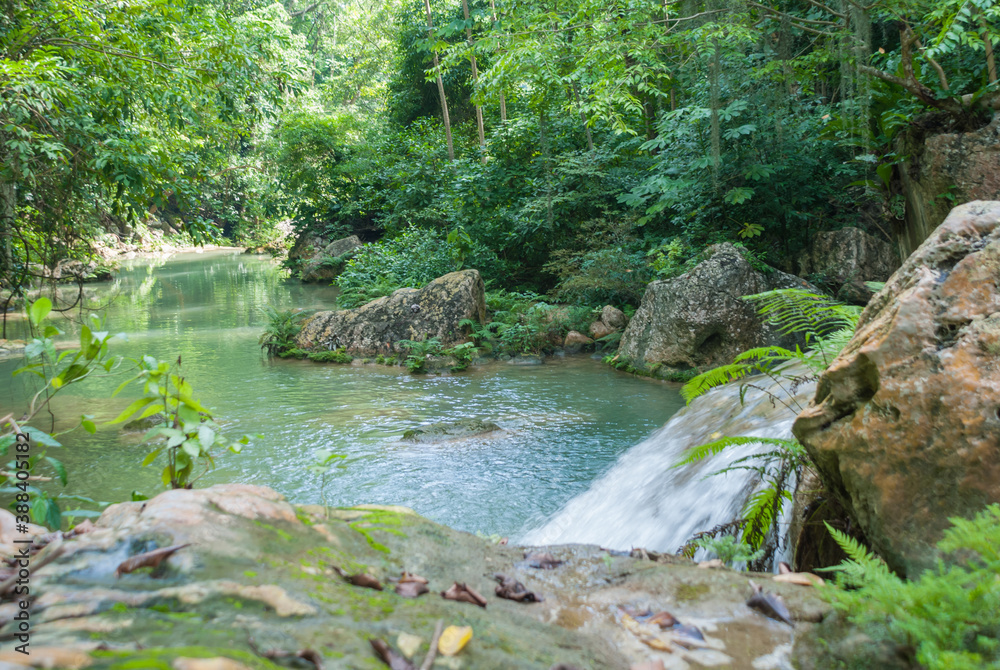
(905, 424)
(407, 314)
(700, 319)
(263, 576)
(450, 430)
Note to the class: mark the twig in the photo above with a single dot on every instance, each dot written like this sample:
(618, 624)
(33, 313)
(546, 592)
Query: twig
(432, 652)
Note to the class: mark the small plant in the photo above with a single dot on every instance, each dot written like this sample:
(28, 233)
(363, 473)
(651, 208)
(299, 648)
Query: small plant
(324, 465)
(339, 356)
(463, 355)
(416, 360)
(282, 328)
(189, 430)
(730, 550)
(949, 615)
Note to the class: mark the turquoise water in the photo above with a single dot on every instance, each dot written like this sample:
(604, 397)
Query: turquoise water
(564, 423)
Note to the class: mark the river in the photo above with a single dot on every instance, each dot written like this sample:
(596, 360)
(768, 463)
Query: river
(564, 423)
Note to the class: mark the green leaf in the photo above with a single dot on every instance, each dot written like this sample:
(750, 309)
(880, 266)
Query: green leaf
(151, 456)
(41, 437)
(89, 426)
(134, 407)
(39, 310)
(59, 468)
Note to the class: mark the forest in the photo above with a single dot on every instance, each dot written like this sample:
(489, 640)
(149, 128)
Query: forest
(576, 149)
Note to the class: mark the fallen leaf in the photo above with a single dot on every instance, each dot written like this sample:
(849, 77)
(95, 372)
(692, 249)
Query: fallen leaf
(365, 580)
(410, 577)
(408, 644)
(714, 563)
(563, 666)
(663, 620)
(149, 559)
(544, 561)
(411, 589)
(655, 643)
(784, 568)
(389, 657)
(800, 578)
(84, 526)
(463, 593)
(453, 639)
(511, 589)
(217, 663)
(769, 604)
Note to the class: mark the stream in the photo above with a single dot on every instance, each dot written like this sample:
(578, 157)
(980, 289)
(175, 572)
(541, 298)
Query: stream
(565, 424)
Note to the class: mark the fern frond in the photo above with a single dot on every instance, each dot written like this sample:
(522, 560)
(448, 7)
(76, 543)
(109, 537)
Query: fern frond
(861, 566)
(706, 381)
(799, 311)
(703, 451)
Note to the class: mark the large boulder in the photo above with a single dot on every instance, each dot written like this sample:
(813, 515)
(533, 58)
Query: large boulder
(700, 319)
(323, 262)
(257, 575)
(942, 169)
(407, 314)
(848, 258)
(905, 424)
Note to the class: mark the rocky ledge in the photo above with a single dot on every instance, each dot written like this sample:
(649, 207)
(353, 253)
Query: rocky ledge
(260, 583)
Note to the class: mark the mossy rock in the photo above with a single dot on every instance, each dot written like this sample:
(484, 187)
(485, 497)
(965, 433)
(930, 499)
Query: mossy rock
(450, 430)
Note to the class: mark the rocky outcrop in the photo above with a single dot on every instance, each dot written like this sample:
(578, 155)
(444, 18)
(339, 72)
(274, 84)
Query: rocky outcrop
(846, 259)
(700, 319)
(943, 169)
(260, 576)
(612, 320)
(407, 314)
(905, 424)
(321, 261)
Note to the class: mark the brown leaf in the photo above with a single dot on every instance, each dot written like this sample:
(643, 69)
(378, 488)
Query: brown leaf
(800, 578)
(411, 589)
(769, 604)
(410, 577)
(511, 589)
(364, 579)
(663, 620)
(463, 593)
(784, 568)
(149, 559)
(563, 666)
(544, 561)
(389, 657)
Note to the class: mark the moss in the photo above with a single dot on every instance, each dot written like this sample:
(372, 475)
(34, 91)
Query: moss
(339, 356)
(158, 658)
(293, 353)
(690, 591)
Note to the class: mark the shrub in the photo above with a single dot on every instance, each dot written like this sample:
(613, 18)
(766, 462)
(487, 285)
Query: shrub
(282, 328)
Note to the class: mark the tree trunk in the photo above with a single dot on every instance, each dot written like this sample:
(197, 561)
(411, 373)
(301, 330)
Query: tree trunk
(546, 156)
(8, 207)
(991, 64)
(475, 80)
(440, 83)
(713, 88)
(503, 100)
(583, 117)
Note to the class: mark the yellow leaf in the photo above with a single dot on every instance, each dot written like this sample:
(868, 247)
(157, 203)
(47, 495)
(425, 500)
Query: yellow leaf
(453, 639)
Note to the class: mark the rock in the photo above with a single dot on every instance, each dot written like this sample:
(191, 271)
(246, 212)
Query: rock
(699, 319)
(377, 328)
(599, 329)
(277, 590)
(450, 430)
(849, 256)
(329, 261)
(526, 360)
(855, 292)
(614, 317)
(144, 424)
(905, 425)
(575, 341)
(942, 169)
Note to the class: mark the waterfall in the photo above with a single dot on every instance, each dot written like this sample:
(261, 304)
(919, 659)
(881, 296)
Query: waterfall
(643, 501)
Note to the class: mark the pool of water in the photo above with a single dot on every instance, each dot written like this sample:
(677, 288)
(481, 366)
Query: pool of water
(564, 423)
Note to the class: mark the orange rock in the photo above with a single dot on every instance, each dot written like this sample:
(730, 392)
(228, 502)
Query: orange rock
(905, 425)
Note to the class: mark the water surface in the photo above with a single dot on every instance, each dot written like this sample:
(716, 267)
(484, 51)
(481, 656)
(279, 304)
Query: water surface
(564, 423)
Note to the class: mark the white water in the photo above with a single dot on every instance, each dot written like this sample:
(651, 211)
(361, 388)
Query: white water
(643, 501)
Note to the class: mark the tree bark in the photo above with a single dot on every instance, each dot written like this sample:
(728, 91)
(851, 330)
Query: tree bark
(440, 84)
(8, 207)
(475, 80)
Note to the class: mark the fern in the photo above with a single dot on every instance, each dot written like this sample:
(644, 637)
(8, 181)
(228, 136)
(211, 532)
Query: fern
(706, 381)
(703, 451)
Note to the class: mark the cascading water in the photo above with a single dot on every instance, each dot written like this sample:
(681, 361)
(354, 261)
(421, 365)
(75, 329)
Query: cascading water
(643, 501)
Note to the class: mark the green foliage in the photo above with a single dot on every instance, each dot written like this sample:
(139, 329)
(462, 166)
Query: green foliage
(334, 356)
(282, 328)
(463, 355)
(419, 351)
(189, 431)
(730, 550)
(950, 614)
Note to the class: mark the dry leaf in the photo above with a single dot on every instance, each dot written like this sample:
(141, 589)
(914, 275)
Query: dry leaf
(149, 559)
(408, 644)
(411, 589)
(800, 578)
(365, 580)
(463, 593)
(410, 577)
(563, 666)
(784, 568)
(511, 589)
(714, 563)
(544, 561)
(769, 604)
(385, 653)
(655, 643)
(453, 639)
(663, 620)
(649, 665)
